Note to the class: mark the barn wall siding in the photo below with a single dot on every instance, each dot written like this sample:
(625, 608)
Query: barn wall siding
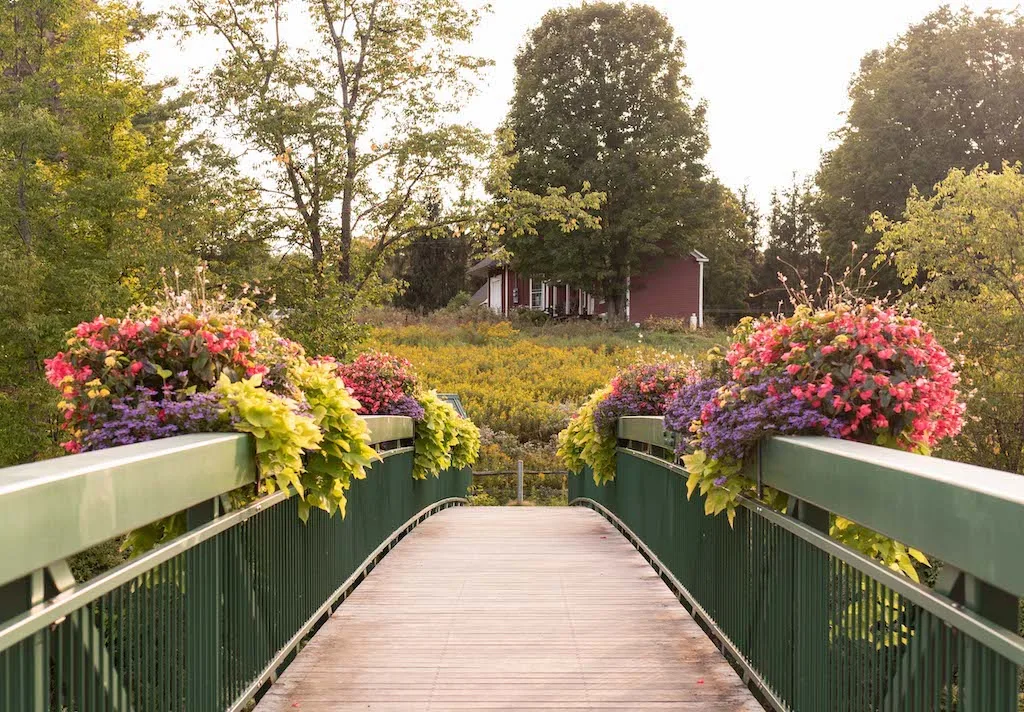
(671, 290)
(517, 290)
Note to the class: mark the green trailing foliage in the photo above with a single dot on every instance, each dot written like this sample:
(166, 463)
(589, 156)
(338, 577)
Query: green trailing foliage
(344, 452)
(718, 480)
(466, 449)
(581, 444)
(282, 433)
(444, 439)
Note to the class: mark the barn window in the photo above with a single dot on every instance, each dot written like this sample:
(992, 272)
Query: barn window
(536, 295)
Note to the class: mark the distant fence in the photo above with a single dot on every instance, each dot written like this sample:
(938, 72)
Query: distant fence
(519, 472)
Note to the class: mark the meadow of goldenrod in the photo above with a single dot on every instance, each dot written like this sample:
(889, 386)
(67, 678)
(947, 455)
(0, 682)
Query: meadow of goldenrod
(522, 384)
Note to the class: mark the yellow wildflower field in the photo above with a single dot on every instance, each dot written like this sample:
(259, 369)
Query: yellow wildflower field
(528, 382)
(521, 384)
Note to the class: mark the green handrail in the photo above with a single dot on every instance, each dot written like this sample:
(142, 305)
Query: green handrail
(812, 624)
(207, 621)
(55, 508)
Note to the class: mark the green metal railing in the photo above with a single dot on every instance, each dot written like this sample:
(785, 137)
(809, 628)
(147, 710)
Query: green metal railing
(812, 625)
(208, 621)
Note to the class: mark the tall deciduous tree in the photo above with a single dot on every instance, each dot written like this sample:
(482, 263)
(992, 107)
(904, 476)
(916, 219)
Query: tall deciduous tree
(601, 97)
(728, 238)
(949, 93)
(98, 191)
(967, 241)
(76, 180)
(356, 128)
(355, 125)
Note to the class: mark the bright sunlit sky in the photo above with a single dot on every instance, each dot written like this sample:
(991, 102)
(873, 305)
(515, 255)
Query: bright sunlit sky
(774, 73)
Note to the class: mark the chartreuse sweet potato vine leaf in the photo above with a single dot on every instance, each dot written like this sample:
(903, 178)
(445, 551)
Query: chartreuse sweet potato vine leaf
(282, 433)
(581, 444)
(444, 439)
(345, 451)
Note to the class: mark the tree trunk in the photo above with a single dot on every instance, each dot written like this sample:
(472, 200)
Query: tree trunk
(347, 196)
(615, 308)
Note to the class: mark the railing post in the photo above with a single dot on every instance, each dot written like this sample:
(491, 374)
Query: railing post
(519, 482)
(984, 686)
(810, 630)
(26, 686)
(203, 663)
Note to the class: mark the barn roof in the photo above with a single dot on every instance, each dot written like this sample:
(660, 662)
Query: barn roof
(484, 266)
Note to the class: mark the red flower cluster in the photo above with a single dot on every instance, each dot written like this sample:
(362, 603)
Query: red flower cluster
(109, 361)
(378, 381)
(883, 375)
(642, 389)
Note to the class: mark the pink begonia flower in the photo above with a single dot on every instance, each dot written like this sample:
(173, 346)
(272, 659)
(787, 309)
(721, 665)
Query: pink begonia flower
(874, 343)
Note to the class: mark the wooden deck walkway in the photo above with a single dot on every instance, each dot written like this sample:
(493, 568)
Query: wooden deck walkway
(511, 609)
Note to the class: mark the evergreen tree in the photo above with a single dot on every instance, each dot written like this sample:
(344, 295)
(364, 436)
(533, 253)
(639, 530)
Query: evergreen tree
(433, 266)
(792, 251)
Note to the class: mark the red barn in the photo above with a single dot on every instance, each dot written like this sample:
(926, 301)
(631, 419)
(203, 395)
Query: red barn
(673, 288)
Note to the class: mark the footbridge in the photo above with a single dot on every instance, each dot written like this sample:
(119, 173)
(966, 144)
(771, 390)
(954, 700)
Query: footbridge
(630, 599)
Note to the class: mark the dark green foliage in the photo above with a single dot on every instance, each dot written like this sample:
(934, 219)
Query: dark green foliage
(791, 247)
(433, 265)
(729, 242)
(97, 560)
(434, 272)
(949, 93)
(28, 417)
(601, 97)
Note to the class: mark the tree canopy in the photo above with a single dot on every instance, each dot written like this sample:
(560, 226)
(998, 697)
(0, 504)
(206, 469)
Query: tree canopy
(104, 185)
(949, 93)
(791, 248)
(963, 245)
(601, 99)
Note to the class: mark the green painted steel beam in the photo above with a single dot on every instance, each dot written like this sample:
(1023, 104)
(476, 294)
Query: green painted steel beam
(646, 429)
(966, 516)
(58, 507)
(387, 428)
(454, 401)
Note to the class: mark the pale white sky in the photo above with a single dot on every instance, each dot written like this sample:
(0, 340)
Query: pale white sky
(774, 74)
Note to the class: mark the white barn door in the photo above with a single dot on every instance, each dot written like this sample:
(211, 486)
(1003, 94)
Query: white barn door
(494, 294)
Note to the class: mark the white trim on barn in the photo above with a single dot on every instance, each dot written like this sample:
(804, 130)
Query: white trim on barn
(496, 282)
(544, 300)
(627, 299)
(700, 296)
(701, 260)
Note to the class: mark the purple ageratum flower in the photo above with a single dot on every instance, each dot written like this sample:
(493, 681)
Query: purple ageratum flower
(733, 424)
(144, 418)
(685, 406)
(639, 390)
(617, 405)
(407, 406)
(198, 413)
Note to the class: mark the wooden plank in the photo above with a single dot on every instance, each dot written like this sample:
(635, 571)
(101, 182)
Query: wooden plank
(511, 608)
